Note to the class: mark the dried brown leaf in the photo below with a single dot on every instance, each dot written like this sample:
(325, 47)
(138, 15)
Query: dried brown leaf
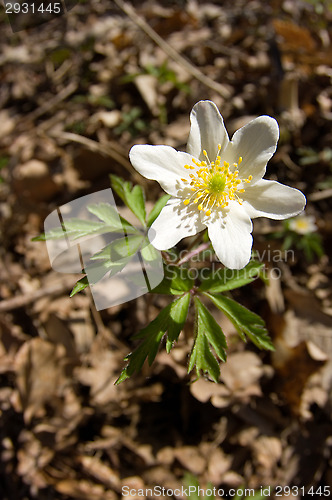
(39, 367)
(191, 459)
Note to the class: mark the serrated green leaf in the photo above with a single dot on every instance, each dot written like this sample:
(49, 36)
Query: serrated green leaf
(156, 325)
(118, 186)
(212, 330)
(207, 332)
(53, 234)
(202, 357)
(106, 213)
(120, 248)
(176, 281)
(77, 228)
(96, 270)
(133, 197)
(245, 321)
(170, 318)
(177, 318)
(113, 220)
(79, 286)
(136, 202)
(123, 376)
(228, 279)
(152, 335)
(157, 208)
(76, 231)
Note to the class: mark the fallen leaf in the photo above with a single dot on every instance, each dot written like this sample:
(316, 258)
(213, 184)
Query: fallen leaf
(40, 377)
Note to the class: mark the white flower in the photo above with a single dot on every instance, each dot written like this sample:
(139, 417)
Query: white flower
(303, 224)
(217, 184)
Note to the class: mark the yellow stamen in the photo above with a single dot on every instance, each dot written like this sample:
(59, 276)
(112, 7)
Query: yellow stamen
(215, 183)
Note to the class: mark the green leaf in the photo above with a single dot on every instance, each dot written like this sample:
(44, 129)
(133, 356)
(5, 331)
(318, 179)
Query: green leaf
(79, 286)
(194, 494)
(120, 248)
(157, 208)
(149, 253)
(191, 480)
(152, 334)
(106, 213)
(113, 220)
(133, 197)
(202, 358)
(75, 228)
(228, 279)
(245, 321)
(97, 269)
(177, 317)
(176, 281)
(40, 237)
(207, 332)
(212, 330)
(123, 376)
(118, 186)
(136, 203)
(289, 241)
(170, 319)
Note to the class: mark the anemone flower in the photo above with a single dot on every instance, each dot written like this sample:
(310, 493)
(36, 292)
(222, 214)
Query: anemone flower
(303, 224)
(217, 184)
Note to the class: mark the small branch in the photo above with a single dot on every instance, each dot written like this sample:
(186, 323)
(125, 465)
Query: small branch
(26, 299)
(170, 51)
(320, 195)
(98, 148)
(51, 103)
(189, 255)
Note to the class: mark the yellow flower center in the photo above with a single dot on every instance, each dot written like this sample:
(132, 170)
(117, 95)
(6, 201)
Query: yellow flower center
(214, 184)
(302, 225)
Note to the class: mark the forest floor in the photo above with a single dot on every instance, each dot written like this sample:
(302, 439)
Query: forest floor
(76, 94)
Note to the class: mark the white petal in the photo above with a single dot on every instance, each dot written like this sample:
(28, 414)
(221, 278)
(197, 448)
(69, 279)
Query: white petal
(230, 236)
(273, 200)
(163, 164)
(256, 142)
(175, 221)
(207, 130)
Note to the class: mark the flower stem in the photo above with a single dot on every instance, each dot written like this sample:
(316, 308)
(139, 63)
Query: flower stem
(191, 254)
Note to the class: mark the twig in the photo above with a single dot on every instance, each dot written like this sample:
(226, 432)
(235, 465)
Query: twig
(26, 299)
(170, 51)
(321, 195)
(99, 148)
(191, 254)
(52, 103)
